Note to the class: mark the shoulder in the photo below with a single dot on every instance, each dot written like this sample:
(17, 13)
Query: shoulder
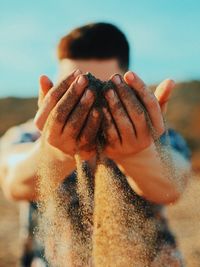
(26, 132)
(18, 138)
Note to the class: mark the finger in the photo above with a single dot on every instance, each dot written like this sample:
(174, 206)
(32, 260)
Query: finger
(148, 99)
(52, 98)
(87, 137)
(110, 129)
(163, 93)
(77, 118)
(45, 85)
(119, 115)
(132, 105)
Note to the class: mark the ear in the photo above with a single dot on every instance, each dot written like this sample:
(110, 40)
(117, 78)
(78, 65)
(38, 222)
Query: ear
(163, 93)
(45, 85)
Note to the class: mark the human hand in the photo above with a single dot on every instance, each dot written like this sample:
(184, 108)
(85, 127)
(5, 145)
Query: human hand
(130, 104)
(66, 117)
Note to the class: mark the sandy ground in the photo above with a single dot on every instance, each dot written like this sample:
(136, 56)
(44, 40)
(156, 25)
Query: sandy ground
(184, 219)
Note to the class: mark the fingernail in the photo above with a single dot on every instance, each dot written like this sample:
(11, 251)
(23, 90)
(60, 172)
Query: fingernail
(105, 111)
(131, 76)
(87, 96)
(117, 79)
(76, 72)
(110, 94)
(81, 80)
(95, 113)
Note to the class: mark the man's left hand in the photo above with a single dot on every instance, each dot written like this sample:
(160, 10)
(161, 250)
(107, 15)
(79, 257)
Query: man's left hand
(130, 103)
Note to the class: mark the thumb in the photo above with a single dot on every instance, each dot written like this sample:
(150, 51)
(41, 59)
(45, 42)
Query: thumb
(45, 85)
(163, 93)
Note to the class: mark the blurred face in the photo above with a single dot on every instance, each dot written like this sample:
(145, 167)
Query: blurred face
(102, 69)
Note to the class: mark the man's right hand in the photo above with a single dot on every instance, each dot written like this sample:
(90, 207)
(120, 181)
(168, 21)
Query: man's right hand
(67, 119)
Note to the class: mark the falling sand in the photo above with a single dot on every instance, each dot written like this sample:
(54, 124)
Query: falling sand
(94, 218)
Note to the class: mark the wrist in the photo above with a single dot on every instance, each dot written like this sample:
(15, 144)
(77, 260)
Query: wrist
(149, 152)
(55, 157)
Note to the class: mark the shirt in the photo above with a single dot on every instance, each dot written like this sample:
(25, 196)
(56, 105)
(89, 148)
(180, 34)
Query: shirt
(32, 248)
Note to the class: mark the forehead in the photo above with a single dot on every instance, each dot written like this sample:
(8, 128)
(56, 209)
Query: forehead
(102, 69)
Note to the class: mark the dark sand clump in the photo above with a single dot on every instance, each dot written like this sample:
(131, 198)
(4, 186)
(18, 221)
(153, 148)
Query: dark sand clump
(99, 88)
(110, 226)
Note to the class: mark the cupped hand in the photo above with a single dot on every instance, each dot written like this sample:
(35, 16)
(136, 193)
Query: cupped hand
(66, 118)
(132, 108)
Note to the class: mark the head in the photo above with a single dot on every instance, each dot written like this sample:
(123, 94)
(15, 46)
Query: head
(99, 48)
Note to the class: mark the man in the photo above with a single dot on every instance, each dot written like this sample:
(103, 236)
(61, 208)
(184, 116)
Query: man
(103, 50)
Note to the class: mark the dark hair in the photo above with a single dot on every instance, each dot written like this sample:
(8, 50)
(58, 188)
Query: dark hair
(95, 41)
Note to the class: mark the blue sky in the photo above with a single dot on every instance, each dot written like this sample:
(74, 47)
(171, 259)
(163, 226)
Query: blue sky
(163, 34)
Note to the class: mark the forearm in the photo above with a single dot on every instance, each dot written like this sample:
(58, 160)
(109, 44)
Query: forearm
(156, 180)
(21, 172)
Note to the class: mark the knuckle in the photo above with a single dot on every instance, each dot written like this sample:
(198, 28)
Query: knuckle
(153, 103)
(69, 79)
(140, 119)
(73, 128)
(63, 85)
(60, 114)
(70, 130)
(116, 106)
(138, 111)
(54, 96)
(54, 115)
(143, 89)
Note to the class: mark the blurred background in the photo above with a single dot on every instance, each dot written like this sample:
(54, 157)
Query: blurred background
(164, 40)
